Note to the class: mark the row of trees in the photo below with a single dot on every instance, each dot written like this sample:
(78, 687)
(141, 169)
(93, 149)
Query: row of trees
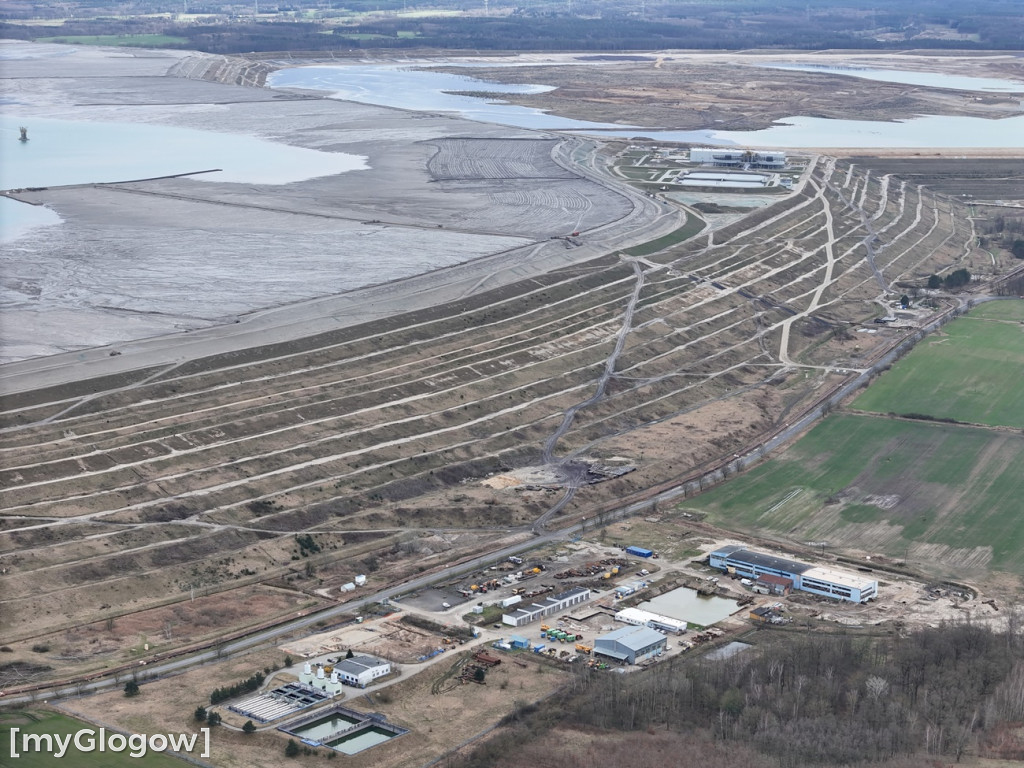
(246, 686)
(582, 25)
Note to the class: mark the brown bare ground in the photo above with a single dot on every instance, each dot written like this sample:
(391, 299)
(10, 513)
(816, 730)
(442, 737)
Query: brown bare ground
(121, 638)
(438, 722)
(376, 439)
(734, 92)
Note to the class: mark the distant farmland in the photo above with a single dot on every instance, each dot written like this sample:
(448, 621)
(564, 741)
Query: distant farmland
(139, 41)
(946, 495)
(55, 724)
(970, 372)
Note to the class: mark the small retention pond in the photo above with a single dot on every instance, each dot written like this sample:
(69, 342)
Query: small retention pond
(325, 726)
(361, 739)
(689, 606)
(343, 730)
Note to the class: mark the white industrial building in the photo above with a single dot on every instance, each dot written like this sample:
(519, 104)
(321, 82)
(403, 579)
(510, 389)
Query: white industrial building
(640, 618)
(631, 644)
(524, 614)
(739, 158)
(358, 671)
(727, 180)
(830, 582)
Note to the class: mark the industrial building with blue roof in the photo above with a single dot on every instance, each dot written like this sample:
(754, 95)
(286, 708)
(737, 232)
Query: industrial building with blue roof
(828, 582)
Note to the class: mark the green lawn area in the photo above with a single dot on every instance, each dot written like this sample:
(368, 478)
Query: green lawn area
(877, 483)
(971, 372)
(44, 722)
(140, 41)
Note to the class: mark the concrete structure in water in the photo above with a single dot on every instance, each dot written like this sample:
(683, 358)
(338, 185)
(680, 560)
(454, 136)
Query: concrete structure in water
(631, 644)
(283, 700)
(336, 726)
(828, 582)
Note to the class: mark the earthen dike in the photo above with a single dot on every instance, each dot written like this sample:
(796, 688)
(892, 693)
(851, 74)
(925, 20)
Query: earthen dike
(133, 490)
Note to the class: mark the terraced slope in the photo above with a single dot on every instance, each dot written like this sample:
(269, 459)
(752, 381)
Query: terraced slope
(376, 439)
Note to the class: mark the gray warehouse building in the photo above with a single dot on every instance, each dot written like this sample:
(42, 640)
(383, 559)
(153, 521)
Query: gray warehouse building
(524, 613)
(631, 644)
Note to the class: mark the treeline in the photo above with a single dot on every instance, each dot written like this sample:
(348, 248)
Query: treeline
(958, 278)
(552, 33)
(1006, 231)
(229, 692)
(809, 700)
(586, 25)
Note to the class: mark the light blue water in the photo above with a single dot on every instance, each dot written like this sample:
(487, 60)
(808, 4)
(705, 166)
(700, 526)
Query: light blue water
(395, 85)
(18, 218)
(357, 742)
(61, 152)
(926, 79)
(325, 727)
(390, 85)
(818, 132)
(686, 605)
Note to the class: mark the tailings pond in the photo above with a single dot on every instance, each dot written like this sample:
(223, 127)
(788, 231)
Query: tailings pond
(68, 152)
(925, 79)
(427, 91)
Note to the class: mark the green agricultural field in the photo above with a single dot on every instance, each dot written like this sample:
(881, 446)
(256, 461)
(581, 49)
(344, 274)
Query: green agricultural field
(950, 493)
(969, 372)
(136, 41)
(39, 722)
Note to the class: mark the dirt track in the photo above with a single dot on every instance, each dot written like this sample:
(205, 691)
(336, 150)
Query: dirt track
(371, 420)
(381, 433)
